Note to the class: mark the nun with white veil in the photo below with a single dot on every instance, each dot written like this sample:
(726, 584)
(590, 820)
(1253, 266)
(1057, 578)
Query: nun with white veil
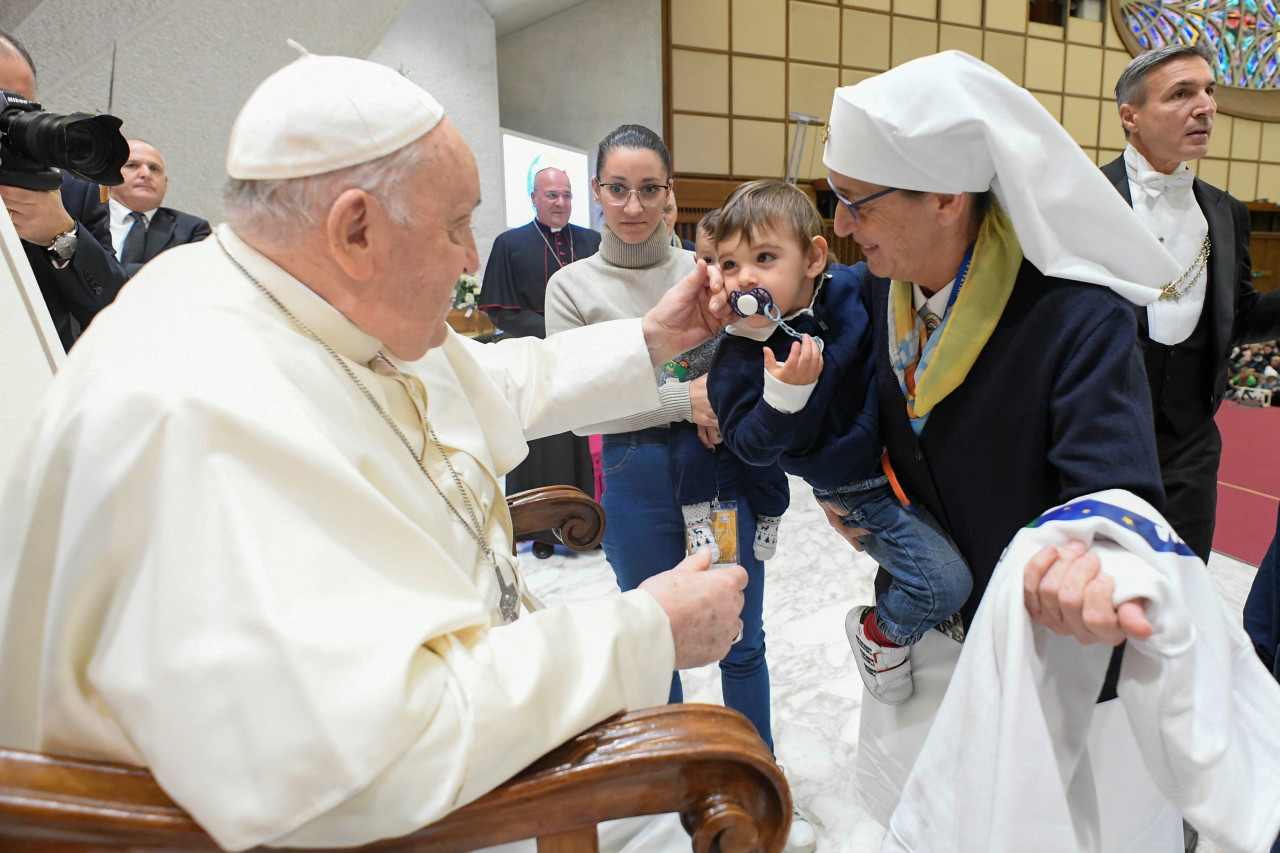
(972, 204)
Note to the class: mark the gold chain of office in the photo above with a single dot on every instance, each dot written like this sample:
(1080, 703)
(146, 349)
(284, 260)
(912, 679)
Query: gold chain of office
(1178, 288)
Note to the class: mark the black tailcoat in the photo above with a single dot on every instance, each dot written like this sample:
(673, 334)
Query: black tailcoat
(1187, 381)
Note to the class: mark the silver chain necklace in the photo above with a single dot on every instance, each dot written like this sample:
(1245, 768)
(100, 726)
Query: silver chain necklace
(509, 598)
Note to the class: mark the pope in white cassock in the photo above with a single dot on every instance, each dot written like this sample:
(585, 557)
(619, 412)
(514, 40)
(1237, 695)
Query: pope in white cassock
(256, 540)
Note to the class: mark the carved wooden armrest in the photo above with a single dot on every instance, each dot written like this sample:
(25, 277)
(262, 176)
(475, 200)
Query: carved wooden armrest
(577, 518)
(703, 761)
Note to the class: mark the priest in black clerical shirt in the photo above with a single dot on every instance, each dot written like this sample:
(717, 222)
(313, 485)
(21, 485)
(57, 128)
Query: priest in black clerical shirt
(513, 295)
(522, 259)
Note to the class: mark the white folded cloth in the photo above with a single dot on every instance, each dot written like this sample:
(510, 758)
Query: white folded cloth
(1008, 764)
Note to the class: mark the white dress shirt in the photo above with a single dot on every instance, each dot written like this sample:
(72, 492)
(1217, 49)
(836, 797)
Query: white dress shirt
(121, 223)
(1166, 205)
(937, 303)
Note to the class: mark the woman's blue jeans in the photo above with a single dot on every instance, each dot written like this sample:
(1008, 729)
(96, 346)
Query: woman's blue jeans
(645, 535)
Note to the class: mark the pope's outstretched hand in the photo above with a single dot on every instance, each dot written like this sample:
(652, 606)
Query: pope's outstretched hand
(692, 311)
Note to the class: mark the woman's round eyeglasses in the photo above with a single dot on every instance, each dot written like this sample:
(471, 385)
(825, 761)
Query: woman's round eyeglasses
(650, 195)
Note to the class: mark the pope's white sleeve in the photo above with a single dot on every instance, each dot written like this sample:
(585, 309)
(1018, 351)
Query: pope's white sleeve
(585, 376)
(514, 693)
(674, 405)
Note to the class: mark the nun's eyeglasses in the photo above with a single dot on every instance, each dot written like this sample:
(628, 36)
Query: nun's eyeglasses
(853, 206)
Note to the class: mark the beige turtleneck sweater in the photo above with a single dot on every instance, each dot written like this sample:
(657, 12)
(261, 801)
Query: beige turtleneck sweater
(622, 281)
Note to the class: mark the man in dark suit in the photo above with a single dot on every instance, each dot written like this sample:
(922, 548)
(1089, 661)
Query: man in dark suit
(64, 233)
(1165, 99)
(140, 227)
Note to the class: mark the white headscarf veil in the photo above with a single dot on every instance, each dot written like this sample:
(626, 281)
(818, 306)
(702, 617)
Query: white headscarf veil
(950, 123)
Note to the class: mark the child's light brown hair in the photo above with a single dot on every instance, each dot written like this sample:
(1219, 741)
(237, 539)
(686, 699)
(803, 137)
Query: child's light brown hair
(707, 224)
(774, 205)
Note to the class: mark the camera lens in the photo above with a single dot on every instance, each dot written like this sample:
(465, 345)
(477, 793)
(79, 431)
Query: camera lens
(89, 146)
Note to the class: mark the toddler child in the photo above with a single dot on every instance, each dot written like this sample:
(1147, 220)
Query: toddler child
(793, 383)
(692, 465)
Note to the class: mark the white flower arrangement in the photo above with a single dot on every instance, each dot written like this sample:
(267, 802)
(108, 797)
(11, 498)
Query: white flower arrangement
(466, 293)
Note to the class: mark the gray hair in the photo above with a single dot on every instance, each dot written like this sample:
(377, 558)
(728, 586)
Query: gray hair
(282, 211)
(1131, 88)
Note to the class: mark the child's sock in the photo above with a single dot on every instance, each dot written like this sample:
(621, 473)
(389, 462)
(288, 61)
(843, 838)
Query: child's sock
(697, 523)
(872, 629)
(766, 541)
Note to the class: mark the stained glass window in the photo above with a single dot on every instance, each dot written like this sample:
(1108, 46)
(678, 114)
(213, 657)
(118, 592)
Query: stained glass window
(1241, 34)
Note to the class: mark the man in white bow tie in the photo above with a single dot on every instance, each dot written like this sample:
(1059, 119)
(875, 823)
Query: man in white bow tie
(1165, 99)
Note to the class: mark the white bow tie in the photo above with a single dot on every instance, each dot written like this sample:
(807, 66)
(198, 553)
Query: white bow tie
(1155, 183)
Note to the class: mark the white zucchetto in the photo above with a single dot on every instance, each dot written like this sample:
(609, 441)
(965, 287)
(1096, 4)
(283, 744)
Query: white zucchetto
(323, 113)
(949, 123)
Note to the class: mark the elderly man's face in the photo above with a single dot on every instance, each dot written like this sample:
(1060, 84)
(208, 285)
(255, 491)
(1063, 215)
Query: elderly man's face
(552, 198)
(1174, 122)
(145, 180)
(433, 249)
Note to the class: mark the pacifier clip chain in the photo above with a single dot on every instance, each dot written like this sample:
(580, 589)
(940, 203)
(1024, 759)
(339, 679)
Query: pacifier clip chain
(757, 300)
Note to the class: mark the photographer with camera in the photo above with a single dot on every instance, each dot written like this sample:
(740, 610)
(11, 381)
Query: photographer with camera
(66, 232)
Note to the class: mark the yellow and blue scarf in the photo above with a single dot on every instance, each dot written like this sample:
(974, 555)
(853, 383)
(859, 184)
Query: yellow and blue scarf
(950, 351)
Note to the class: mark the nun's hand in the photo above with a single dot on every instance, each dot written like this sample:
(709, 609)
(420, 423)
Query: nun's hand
(692, 311)
(853, 535)
(1066, 591)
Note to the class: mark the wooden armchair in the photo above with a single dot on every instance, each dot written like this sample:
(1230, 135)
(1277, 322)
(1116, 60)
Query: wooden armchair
(702, 761)
(576, 518)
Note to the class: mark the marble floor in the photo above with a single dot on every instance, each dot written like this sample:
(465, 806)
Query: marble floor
(816, 691)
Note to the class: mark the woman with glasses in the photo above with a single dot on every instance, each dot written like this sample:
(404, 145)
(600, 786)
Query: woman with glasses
(970, 201)
(636, 264)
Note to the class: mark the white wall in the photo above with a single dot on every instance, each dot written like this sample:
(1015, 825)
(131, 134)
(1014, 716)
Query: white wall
(184, 68)
(576, 76)
(448, 47)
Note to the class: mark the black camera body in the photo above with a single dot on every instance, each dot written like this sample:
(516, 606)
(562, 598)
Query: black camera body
(35, 144)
